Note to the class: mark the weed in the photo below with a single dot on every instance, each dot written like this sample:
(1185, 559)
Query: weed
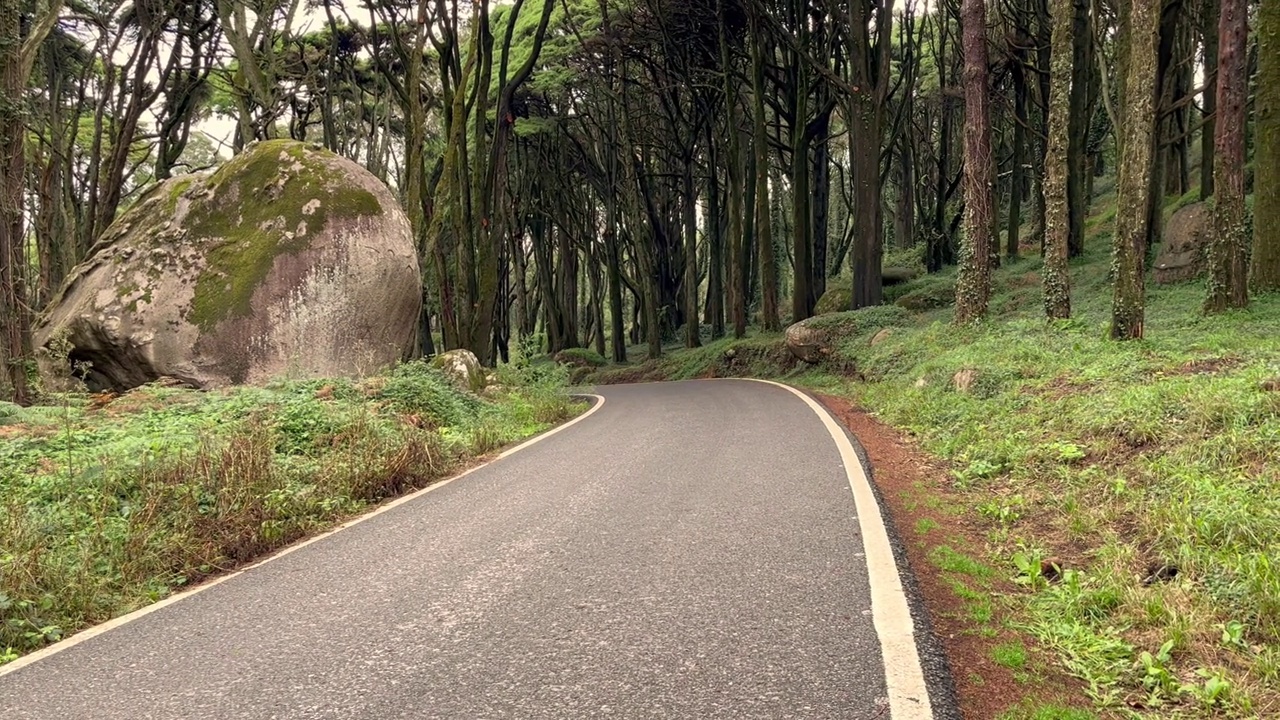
(107, 505)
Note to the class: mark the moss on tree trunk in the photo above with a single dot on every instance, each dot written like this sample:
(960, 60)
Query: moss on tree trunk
(1227, 269)
(1057, 239)
(1133, 193)
(1266, 207)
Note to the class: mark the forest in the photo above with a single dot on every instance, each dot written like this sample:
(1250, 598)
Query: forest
(1042, 238)
(610, 174)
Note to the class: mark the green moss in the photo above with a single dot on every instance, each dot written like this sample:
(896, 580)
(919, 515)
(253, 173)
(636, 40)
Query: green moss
(177, 188)
(253, 216)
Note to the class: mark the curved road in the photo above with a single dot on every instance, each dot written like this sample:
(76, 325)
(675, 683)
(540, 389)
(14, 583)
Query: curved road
(690, 550)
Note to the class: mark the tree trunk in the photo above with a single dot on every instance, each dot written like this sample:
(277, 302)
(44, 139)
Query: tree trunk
(1210, 13)
(1227, 270)
(802, 301)
(769, 319)
(1057, 167)
(1266, 202)
(692, 336)
(973, 286)
(17, 54)
(1016, 180)
(1134, 188)
(1078, 120)
(715, 243)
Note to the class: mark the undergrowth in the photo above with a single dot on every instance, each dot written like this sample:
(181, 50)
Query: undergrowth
(1146, 471)
(111, 503)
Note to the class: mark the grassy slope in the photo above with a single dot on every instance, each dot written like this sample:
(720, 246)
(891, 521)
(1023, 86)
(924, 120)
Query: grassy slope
(1109, 459)
(108, 506)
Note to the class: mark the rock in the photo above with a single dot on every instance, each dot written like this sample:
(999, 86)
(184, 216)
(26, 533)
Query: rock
(580, 358)
(881, 336)
(964, 380)
(288, 260)
(922, 382)
(891, 276)
(1186, 236)
(839, 294)
(807, 343)
(462, 367)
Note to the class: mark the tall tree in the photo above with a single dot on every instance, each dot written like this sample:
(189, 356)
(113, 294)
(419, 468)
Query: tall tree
(21, 35)
(1141, 27)
(973, 287)
(869, 80)
(1266, 196)
(1227, 265)
(1057, 166)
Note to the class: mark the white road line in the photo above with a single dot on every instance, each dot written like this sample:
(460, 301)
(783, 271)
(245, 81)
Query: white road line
(110, 625)
(904, 675)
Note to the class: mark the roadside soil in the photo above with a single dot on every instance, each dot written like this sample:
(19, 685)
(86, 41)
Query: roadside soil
(915, 488)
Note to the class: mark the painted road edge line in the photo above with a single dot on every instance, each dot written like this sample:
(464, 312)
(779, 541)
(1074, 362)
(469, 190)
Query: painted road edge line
(890, 611)
(96, 630)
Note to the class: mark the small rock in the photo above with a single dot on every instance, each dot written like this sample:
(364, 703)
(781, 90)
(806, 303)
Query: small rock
(881, 336)
(965, 379)
(808, 344)
(731, 353)
(463, 368)
(922, 382)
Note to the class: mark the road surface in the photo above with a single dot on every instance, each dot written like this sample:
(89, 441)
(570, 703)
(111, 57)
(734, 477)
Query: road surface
(689, 550)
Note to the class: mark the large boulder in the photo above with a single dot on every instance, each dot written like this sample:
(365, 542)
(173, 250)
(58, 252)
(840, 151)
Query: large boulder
(288, 260)
(1186, 236)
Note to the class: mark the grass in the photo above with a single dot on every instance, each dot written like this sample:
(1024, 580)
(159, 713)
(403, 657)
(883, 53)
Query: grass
(1114, 459)
(108, 504)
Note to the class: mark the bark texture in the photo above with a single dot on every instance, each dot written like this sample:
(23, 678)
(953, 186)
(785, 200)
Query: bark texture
(1057, 168)
(1133, 193)
(973, 288)
(1266, 208)
(1227, 268)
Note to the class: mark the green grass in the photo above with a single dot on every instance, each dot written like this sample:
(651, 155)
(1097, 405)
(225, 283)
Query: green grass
(1111, 457)
(1011, 655)
(105, 508)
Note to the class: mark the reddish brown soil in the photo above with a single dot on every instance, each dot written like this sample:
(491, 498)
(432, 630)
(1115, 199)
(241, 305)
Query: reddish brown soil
(905, 477)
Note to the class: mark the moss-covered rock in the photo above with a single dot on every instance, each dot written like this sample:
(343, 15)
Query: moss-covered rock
(463, 368)
(287, 260)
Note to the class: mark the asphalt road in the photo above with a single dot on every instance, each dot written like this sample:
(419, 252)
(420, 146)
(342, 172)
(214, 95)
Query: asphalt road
(690, 550)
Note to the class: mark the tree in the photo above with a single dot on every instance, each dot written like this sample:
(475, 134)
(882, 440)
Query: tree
(1266, 196)
(973, 287)
(17, 56)
(1057, 167)
(869, 78)
(1227, 268)
(1128, 307)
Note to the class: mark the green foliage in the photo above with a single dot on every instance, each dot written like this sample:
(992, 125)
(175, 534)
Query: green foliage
(417, 387)
(926, 293)
(584, 357)
(106, 508)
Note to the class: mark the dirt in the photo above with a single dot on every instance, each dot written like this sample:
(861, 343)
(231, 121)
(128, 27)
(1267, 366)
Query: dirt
(906, 476)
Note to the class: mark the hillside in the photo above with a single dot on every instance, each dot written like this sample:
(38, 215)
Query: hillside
(1145, 471)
